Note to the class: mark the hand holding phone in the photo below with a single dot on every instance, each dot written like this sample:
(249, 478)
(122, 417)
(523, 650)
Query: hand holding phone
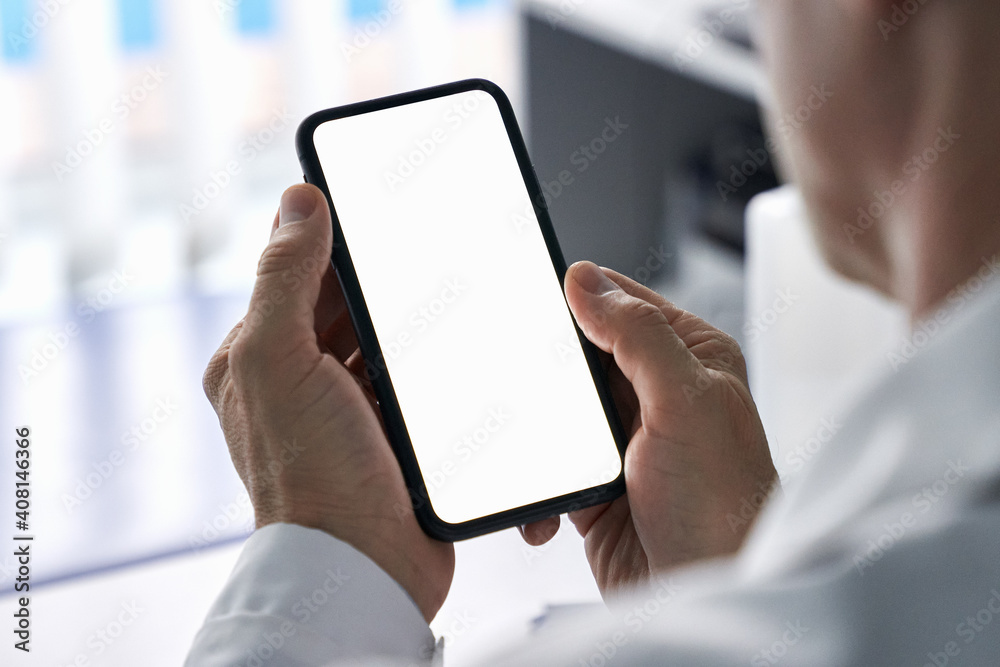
(302, 422)
(495, 405)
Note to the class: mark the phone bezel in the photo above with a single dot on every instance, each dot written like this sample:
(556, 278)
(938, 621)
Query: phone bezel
(371, 349)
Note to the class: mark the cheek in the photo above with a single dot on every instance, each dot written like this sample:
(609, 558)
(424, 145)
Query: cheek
(781, 30)
(787, 84)
(803, 44)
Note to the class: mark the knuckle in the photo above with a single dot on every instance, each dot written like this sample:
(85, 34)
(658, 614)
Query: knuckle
(639, 313)
(627, 283)
(730, 347)
(219, 370)
(725, 353)
(216, 373)
(211, 380)
(276, 256)
(242, 357)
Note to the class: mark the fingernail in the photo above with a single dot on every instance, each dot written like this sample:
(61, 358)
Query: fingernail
(592, 278)
(296, 204)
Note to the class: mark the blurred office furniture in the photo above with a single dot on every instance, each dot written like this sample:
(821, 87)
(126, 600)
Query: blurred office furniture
(815, 338)
(681, 75)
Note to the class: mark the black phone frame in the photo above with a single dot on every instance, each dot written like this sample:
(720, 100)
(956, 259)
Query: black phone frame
(371, 349)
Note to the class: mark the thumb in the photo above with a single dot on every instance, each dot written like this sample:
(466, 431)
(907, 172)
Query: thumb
(637, 332)
(290, 272)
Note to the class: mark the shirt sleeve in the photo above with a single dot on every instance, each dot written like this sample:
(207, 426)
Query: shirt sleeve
(298, 597)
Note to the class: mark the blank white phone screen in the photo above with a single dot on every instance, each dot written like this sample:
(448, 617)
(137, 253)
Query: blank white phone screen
(477, 339)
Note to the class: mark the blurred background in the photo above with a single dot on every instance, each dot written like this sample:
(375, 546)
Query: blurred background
(144, 145)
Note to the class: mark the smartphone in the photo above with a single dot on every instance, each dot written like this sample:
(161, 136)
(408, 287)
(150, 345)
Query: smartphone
(496, 406)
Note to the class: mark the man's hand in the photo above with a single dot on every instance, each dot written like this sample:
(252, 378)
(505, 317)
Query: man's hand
(697, 452)
(300, 419)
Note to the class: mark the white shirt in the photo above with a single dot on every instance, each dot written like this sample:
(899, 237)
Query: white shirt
(883, 550)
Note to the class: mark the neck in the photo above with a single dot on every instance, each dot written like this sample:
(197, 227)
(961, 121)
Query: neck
(945, 228)
(950, 244)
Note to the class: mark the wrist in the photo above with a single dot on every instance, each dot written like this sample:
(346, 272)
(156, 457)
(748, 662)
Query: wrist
(422, 567)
